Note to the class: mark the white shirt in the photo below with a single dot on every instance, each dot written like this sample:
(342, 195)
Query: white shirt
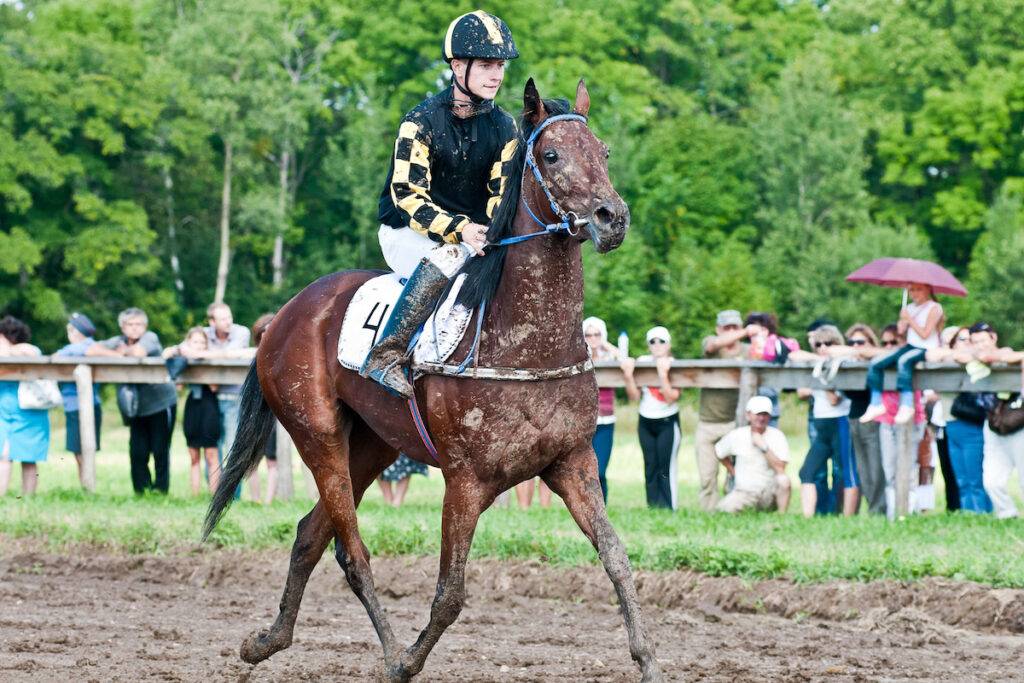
(824, 408)
(920, 316)
(653, 405)
(753, 473)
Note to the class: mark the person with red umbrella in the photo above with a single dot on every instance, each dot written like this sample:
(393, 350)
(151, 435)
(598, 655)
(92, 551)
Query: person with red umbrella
(920, 321)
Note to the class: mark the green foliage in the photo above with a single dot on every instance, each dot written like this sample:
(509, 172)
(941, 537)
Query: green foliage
(765, 149)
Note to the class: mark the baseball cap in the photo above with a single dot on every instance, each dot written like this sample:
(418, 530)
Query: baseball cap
(658, 332)
(81, 322)
(759, 404)
(729, 317)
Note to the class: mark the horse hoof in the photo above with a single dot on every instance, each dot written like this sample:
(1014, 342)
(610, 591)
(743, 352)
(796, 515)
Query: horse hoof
(260, 645)
(385, 673)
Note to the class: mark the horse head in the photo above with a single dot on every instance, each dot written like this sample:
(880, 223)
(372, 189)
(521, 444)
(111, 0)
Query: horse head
(574, 166)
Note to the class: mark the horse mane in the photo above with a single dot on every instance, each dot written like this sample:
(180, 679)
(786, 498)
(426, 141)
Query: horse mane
(484, 272)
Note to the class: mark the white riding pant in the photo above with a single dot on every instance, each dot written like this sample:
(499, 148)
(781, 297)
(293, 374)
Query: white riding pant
(404, 247)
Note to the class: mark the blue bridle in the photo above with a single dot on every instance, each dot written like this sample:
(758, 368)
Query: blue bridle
(569, 218)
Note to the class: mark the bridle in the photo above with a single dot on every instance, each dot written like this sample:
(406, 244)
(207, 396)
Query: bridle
(569, 219)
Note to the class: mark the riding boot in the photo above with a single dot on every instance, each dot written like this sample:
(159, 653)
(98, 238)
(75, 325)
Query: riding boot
(386, 362)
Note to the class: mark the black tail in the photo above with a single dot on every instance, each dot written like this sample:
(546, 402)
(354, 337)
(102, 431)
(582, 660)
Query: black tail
(255, 422)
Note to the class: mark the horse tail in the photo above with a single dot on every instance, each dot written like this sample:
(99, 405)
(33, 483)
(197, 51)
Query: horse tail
(255, 422)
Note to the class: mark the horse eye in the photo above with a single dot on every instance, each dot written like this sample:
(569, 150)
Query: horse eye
(551, 156)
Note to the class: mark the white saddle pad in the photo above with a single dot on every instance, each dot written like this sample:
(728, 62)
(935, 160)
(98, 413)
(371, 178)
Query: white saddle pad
(371, 309)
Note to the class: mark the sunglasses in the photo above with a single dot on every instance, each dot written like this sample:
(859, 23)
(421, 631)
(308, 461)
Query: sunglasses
(981, 327)
(657, 341)
(856, 342)
(963, 338)
(818, 345)
(890, 342)
(592, 334)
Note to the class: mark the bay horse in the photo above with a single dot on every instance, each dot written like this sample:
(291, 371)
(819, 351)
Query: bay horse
(489, 434)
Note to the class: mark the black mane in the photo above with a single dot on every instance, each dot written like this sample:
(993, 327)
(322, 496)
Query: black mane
(484, 272)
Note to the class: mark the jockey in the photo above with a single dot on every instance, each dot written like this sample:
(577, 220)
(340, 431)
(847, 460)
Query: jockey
(448, 174)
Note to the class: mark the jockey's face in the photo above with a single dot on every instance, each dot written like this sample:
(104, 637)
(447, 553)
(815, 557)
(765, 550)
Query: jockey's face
(484, 78)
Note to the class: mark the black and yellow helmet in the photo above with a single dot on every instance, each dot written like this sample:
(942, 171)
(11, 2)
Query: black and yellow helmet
(478, 35)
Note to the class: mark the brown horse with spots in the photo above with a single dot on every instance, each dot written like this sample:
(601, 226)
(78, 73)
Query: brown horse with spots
(490, 434)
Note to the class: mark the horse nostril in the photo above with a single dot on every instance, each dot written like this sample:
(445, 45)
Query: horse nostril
(604, 214)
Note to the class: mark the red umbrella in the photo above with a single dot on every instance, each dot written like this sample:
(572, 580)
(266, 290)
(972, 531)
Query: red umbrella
(899, 272)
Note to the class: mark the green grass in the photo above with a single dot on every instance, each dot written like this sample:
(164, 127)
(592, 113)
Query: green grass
(967, 547)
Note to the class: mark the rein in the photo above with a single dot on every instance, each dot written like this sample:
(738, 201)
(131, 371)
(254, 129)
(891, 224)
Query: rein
(568, 218)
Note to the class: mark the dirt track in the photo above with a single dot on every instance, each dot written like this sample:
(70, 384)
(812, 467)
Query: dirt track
(91, 616)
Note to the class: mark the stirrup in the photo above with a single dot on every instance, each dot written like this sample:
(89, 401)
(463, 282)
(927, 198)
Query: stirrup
(394, 378)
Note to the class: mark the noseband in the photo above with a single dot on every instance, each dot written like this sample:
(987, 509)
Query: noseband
(568, 218)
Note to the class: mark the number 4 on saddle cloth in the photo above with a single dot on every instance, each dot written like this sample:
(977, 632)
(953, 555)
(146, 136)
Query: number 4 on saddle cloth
(371, 308)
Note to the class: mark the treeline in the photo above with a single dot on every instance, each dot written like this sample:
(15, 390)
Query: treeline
(161, 153)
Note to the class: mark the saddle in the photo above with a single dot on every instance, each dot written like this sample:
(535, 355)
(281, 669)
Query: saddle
(371, 308)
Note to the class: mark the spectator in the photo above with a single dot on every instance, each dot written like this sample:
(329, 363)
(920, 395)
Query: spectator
(225, 340)
(832, 435)
(201, 422)
(658, 426)
(941, 416)
(828, 498)
(716, 416)
(400, 474)
(889, 431)
(524, 493)
(919, 322)
(867, 453)
(761, 454)
(595, 332)
(150, 429)
(80, 337)
(761, 326)
(24, 434)
(1002, 452)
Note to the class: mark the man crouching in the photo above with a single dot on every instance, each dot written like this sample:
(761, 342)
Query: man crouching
(761, 454)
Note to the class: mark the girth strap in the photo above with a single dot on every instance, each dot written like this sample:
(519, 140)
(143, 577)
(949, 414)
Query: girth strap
(505, 374)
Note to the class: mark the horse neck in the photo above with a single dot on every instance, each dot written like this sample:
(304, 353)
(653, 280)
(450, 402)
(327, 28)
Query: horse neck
(536, 314)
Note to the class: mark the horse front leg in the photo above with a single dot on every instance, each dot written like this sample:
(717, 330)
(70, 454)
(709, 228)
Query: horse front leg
(463, 504)
(575, 479)
(312, 536)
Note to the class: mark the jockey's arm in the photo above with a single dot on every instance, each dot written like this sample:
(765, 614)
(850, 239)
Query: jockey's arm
(410, 188)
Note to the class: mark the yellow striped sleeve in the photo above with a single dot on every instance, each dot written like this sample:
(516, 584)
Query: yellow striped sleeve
(500, 172)
(410, 188)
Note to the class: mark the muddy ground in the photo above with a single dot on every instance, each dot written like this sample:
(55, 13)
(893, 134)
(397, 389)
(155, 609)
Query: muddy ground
(93, 616)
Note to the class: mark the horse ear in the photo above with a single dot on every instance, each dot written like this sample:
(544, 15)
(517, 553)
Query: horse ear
(533, 106)
(582, 105)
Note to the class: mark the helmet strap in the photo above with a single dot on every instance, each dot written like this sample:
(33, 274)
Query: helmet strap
(478, 103)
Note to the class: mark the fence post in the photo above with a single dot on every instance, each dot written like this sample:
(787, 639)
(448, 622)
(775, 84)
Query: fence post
(86, 425)
(904, 453)
(285, 483)
(749, 382)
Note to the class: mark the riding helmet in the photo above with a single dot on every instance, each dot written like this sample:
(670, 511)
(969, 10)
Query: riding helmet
(478, 35)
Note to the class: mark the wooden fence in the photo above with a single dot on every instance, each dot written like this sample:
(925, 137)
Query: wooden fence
(746, 376)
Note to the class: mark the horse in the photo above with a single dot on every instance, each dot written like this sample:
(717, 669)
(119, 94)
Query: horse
(490, 433)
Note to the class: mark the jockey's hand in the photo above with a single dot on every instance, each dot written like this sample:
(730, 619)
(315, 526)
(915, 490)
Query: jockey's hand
(474, 236)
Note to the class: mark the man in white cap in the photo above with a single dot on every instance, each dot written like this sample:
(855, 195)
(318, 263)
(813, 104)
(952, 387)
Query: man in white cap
(716, 416)
(761, 456)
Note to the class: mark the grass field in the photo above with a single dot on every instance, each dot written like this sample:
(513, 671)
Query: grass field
(971, 547)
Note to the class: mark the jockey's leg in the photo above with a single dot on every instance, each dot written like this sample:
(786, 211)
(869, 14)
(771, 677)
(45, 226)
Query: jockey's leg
(386, 362)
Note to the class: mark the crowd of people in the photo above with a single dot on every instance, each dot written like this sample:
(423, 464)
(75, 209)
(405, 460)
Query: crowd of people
(854, 435)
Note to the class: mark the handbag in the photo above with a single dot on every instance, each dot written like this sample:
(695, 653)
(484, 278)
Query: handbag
(972, 407)
(1007, 416)
(128, 400)
(38, 394)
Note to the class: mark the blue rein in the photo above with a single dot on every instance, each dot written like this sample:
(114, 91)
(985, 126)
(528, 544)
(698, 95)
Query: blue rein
(567, 218)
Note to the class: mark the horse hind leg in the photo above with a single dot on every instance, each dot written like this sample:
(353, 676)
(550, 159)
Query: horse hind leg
(327, 454)
(575, 479)
(312, 536)
(463, 503)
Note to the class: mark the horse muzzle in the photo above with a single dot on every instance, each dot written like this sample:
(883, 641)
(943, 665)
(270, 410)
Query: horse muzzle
(607, 224)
